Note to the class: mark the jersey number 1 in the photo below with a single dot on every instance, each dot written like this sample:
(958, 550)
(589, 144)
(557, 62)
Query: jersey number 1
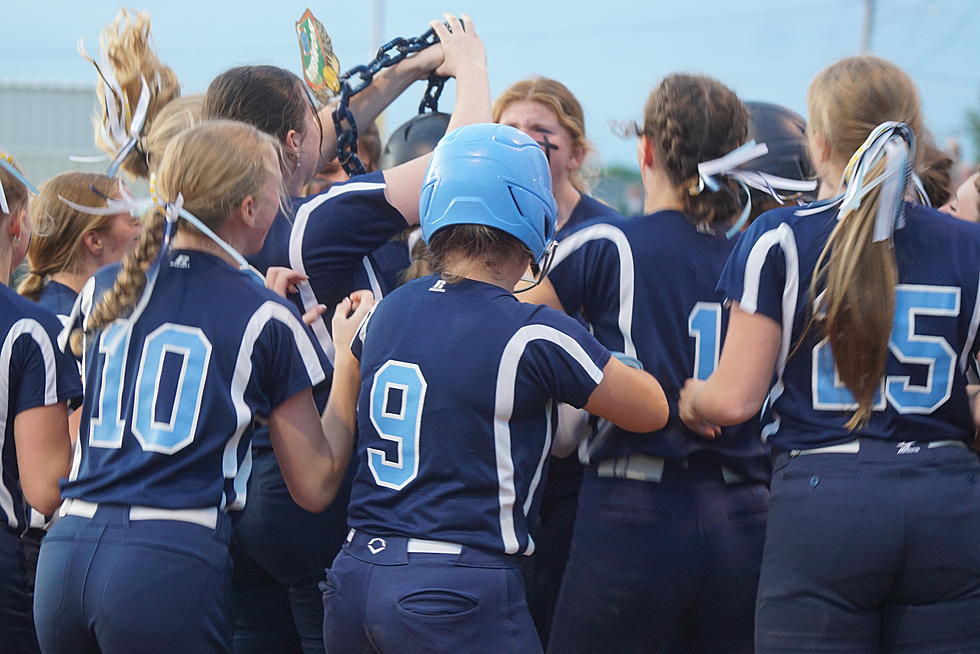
(190, 352)
(704, 326)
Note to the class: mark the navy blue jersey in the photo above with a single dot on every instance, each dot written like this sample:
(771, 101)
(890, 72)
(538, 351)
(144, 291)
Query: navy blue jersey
(327, 237)
(934, 334)
(332, 232)
(174, 389)
(58, 299)
(381, 271)
(33, 373)
(646, 286)
(587, 208)
(456, 412)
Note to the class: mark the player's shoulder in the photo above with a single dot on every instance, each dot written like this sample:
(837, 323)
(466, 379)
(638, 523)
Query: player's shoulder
(356, 186)
(16, 308)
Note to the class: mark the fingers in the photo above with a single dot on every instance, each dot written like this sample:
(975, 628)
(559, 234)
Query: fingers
(359, 298)
(454, 25)
(282, 280)
(467, 22)
(441, 30)
(314, 314)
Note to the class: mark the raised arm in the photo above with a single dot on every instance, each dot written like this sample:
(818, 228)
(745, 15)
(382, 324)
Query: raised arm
(466, 60)
(387, 85)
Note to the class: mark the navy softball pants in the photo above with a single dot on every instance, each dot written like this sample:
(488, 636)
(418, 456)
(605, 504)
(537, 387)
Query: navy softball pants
(112, 585)
(877, 551)
(669, 566)
(383, 595)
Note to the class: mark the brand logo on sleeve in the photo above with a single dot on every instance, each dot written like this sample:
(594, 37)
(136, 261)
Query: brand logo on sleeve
(181, 261)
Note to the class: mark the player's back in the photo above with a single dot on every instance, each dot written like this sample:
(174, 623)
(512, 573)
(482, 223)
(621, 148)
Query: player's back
(174, 388)
(31, 375)
(647, 286)
(934, 333)
(456, 411)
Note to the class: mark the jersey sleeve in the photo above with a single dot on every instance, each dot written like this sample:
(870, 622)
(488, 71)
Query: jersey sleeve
(287, 358)
(586, 262)
(755, 273)
(333, 232)
(357, 345)
(564, 357)
(47, 375)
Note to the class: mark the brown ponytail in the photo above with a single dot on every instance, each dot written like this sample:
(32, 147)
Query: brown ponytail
(690, 119)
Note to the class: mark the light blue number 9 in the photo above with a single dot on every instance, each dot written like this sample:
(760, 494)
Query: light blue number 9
(400, 387)
(704, 326)
(177, 430)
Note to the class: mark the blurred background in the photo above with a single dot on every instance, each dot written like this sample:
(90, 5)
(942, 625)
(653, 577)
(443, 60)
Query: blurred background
(610, 53)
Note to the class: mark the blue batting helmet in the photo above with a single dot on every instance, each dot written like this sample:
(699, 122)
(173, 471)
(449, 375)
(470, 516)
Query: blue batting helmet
(491, 175)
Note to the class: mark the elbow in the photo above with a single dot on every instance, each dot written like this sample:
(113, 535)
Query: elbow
(314, 499)
(734, 412)
(651, 416)
(45, 499)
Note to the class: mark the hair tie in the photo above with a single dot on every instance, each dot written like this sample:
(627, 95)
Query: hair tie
(895, 142)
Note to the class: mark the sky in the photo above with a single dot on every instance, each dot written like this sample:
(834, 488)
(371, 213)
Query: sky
(609, 52)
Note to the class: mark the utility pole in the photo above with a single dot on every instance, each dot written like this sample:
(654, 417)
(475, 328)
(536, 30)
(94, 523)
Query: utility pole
(867, 25)
(377, 38)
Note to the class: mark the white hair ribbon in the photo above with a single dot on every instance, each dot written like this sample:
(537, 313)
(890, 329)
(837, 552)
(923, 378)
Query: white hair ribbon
(173, 212)
(731, 164)
(123, 125)
(894, 142)
(7, 163)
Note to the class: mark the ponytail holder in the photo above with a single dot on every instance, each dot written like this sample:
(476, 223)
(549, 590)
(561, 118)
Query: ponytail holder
(154, 198)
(895, 142)
(7, 163)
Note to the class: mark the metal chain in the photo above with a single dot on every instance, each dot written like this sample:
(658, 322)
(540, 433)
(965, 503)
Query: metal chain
(359, 78)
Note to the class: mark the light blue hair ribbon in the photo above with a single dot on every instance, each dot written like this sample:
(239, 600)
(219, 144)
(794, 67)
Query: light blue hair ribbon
(7, 162)
(893, 142)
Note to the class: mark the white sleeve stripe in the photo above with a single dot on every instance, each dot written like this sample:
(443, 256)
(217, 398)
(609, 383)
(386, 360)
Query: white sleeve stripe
(243, 373)
(37, 333)
(296, 262)
(372, 278)
(626, 271)
(504, 408)
(784, 238)
(972, 332)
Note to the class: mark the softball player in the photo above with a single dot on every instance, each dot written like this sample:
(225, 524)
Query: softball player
(35, 382)
(863, 309)
(182, 352)
(455, 425)
(325, 240)
(646, 287)
(547, 111)
(73, 245)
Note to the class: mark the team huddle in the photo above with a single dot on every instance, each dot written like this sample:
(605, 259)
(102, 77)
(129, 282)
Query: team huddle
(457, 404)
